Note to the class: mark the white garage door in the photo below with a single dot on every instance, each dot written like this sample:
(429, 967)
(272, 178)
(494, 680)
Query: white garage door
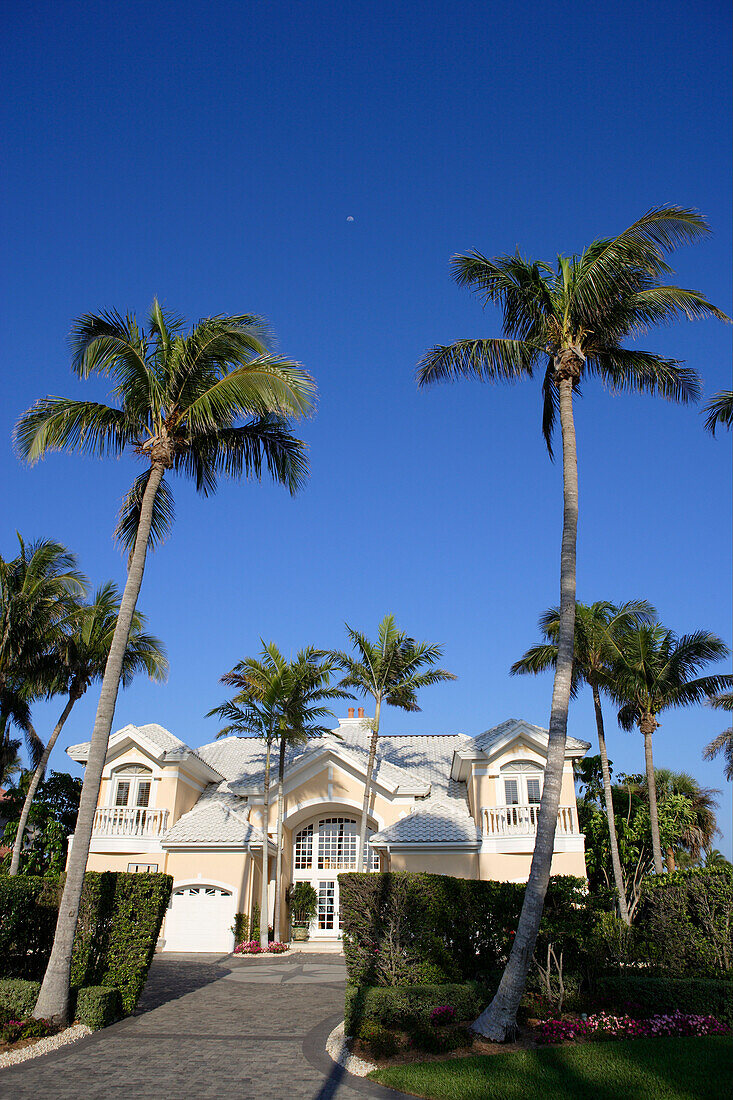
(200, 918)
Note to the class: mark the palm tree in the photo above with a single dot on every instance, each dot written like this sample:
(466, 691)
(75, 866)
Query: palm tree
(279, 701)
(571, 321)
(389, 670)
(210, 403)
(724, 741)
(79, 661)
(696, 825)
(10, 763)
(599, 631)
(719, 410)
(655, 671)
(39, 588)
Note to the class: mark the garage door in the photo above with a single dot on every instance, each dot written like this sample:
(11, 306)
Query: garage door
(200, 918)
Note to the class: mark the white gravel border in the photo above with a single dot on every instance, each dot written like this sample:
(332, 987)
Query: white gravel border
(44, 1046)
(338, 1050)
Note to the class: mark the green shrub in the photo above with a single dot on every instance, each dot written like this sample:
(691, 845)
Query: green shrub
(402, 928)
(28, 912)
(685, 921)
(97, 1006)
(381, 1042)
(439, 1040)
(18, 997)
(240, 928)
(658, 994)
(408, 1007)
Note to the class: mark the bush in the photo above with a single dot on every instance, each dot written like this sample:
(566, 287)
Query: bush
(381, 1042)
(408, 1007)
(685, 921)
(97, 1006)
(119, 922)
(402, 928)
(653, 994)
(18, 997)
(434, 1041)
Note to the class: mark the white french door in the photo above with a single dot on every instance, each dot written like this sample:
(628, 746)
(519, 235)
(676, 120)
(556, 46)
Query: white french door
(320, 850)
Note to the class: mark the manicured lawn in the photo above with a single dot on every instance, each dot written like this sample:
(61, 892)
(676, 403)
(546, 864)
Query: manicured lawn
(697, 1068)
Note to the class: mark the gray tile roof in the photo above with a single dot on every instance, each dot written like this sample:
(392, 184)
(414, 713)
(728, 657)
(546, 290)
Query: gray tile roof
(160, 737)
(443, 821)
(217, 818)
(486, 739)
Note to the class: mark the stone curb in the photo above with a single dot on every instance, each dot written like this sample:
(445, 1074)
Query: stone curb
(337, 1048)
(45, 1046)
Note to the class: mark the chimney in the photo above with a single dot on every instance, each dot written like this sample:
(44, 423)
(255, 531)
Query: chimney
(361, 712)
(351, 712)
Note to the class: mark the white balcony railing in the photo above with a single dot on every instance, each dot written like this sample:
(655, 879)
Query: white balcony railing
(129, 821)
(522, 820)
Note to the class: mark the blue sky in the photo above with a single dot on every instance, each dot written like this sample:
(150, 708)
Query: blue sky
(211, 154)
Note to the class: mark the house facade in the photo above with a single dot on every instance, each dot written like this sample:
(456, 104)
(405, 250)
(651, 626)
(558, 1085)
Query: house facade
(450, 804)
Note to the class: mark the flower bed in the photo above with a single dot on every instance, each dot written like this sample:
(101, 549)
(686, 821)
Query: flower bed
(604, 1026)
(16, 1033)
(252, 947)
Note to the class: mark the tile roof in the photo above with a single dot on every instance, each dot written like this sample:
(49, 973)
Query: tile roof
(442, 821)
(217, 818)
(486, 739)
(160, 737)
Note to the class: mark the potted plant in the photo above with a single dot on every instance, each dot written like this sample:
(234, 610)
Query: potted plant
(303, 904)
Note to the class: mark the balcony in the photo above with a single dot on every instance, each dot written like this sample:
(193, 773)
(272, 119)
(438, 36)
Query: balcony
(519, 821)
(129, 821)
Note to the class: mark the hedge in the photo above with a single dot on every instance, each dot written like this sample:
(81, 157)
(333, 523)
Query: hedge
(657, 994)
(405, 928)
(685, 922)
(119, 922)
(95, 1006)
(409, 1006)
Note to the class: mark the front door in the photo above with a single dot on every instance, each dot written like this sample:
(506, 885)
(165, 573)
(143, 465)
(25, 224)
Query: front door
(327, 923)
(321, 850)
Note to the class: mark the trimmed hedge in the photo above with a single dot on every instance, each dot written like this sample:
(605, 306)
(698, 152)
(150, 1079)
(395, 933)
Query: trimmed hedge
(18, 996)
(119, 923)
(655, 994)
(404, 928)
(97, 1006)
(409, 1006)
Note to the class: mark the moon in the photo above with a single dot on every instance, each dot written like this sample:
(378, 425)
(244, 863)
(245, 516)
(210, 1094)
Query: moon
(350, 218)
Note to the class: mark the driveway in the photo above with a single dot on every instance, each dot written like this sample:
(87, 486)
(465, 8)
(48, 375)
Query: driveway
(210, 1026)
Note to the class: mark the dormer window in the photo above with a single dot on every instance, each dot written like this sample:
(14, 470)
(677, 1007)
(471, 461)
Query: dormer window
(522, 783)
(132, 786)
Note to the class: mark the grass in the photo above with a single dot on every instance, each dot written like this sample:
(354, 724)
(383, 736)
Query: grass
(653, 1069)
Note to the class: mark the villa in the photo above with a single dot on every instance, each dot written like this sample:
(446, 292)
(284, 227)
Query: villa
(451, 804)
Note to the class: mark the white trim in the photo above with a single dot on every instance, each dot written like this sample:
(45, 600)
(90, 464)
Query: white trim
(523, 845)
(128, 844)
(326, 807)
(432, 846)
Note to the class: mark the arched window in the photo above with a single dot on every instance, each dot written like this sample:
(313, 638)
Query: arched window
(132, 785)
(334, 841)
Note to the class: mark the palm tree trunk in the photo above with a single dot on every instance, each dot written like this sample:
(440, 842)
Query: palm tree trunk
(279, 860)
(498, 1021)
(647, 728)
(53, 999)
(362, 862)
(264, 899)
(33, 786)
(671, 862)
(618, 876)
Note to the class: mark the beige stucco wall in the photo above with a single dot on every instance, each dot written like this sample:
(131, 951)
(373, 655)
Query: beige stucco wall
(515, 868)
(458, 864)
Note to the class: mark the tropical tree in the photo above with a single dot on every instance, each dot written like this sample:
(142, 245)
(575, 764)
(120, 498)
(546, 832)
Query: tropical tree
(78, 660)
(51, 820)
(10, 762)
(281, 701)
(719, 410)
(724, 741)
(687, 815)
(570, 322)
(391, 670)
(654, 672)
(39, 588)
(599, 632)
(208, 403)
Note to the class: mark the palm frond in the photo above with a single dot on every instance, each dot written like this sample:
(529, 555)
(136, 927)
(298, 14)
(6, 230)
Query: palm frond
(59, 423)
(234, 452)
(624, 370)
(719, 410)
(485, 360)
(129, 516)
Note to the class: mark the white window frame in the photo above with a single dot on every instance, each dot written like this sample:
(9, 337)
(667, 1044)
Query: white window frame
(134, 775)
(316, 849)
(519, 772)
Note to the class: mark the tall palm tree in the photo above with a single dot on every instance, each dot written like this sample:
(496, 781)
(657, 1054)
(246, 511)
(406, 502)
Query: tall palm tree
(279, 701)
(295, 693)
(719, 410)
(79, 661)
(570, 322)
(10, 763)
(39, 589)
(599, 632)
(698, 824)
(390, 670)
(724, 741)
(212, 402)
(654, 672)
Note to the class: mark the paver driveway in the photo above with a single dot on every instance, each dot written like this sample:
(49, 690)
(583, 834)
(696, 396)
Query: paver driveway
(209, 1026)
